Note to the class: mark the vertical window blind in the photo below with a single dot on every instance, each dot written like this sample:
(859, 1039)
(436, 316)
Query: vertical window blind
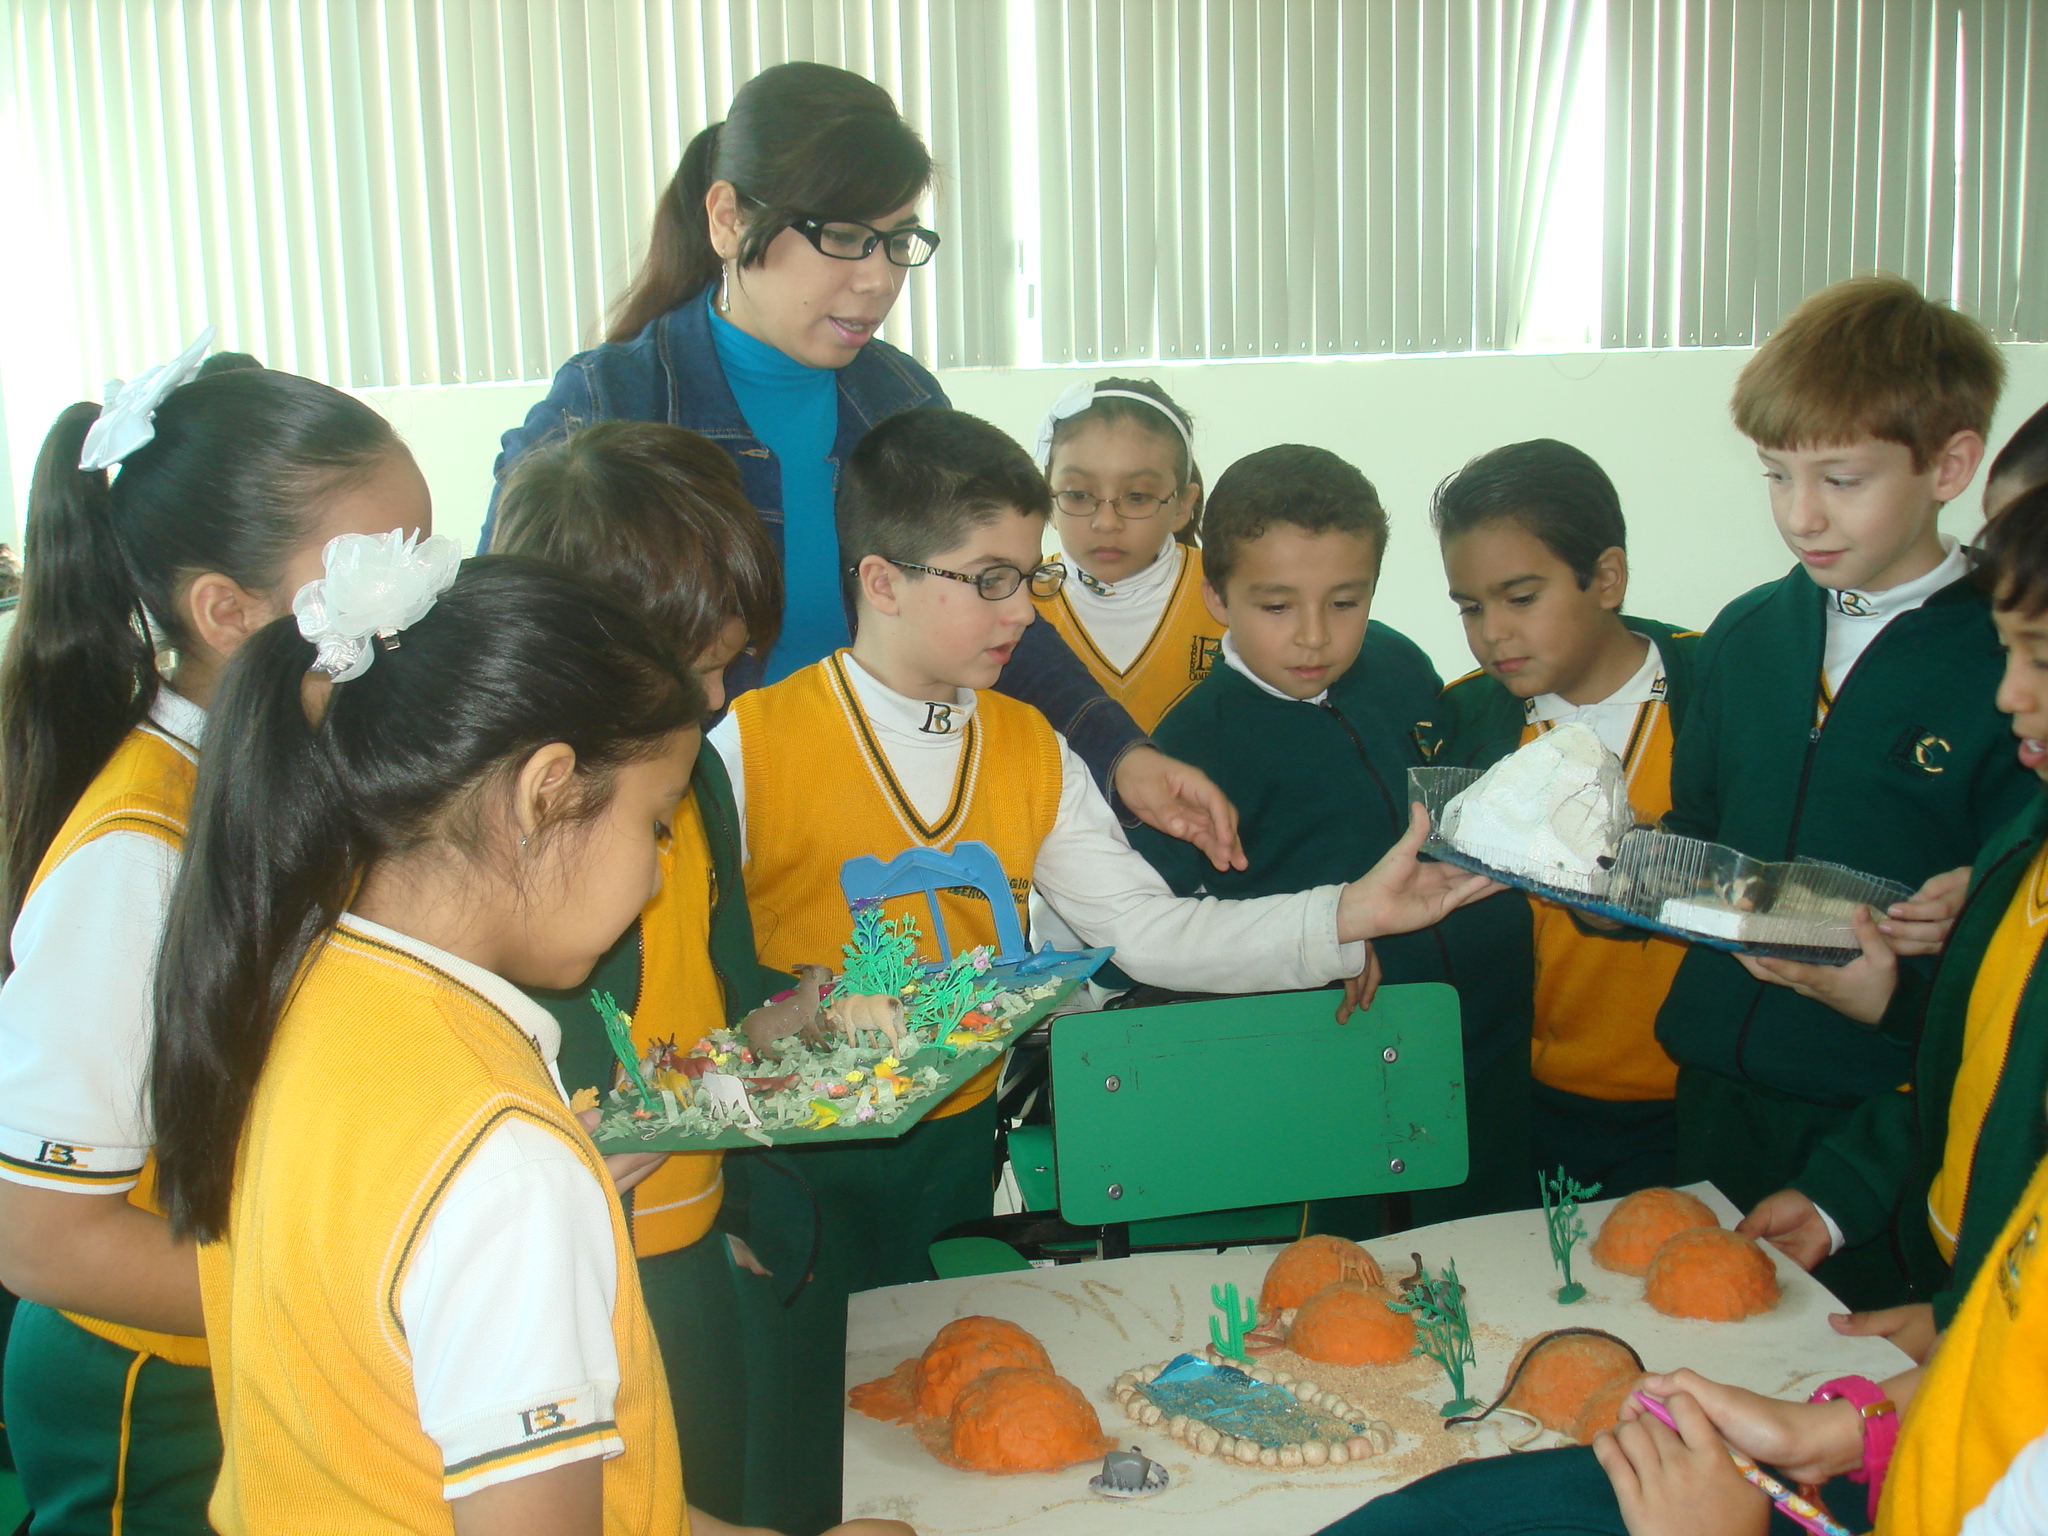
(378, 192)
(381, 192)
(1759, 149)
(1230, 178)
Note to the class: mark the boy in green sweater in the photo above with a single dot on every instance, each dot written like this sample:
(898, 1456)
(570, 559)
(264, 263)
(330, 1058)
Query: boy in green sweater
(1310, 726)
(1534, 548)
(1841, 713)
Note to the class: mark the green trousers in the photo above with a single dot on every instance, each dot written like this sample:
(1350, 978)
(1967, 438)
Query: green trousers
(105, 1438)
(1751, 1141)
(878, 1205)
(1622, 1145)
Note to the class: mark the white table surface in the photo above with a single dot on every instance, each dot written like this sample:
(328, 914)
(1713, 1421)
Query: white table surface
(1097, 1320)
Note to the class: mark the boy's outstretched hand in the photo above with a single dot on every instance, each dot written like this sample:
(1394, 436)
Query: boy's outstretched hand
(1791, 1223)
(1679, 1484)
(1181, 801)
(1860, 990)
(1401, 894)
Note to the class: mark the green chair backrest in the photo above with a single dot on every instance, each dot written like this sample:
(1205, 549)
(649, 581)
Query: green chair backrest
(1256, 1100)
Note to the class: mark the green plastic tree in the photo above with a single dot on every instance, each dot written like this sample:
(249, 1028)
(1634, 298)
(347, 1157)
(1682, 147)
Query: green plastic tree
(1238, 1319)
(881, 957)
(1561, 1197)
(945, 999)
(619, 1030)
(1437, 1303)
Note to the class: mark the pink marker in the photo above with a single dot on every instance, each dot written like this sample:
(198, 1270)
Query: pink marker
(1800, 1508)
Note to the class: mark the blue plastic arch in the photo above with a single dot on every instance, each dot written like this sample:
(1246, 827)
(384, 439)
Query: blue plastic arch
(928, 870)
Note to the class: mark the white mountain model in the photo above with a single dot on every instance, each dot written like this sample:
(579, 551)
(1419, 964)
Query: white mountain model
(1555, 811)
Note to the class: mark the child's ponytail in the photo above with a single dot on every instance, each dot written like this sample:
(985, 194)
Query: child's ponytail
(306, 785)
(233, 482)
(79, 670)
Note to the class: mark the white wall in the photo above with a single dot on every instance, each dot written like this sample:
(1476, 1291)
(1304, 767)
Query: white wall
(1658, 421)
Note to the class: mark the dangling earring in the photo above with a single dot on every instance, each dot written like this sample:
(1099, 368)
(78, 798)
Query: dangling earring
(725, 290)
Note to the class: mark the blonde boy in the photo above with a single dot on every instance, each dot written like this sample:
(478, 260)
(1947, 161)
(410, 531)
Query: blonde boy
(1843, 713)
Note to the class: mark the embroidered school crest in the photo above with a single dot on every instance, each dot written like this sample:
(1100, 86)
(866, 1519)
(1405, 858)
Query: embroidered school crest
(1204, 651)
(1920, 750)
(1855, 604)
(2012, 1265)
(940, 719)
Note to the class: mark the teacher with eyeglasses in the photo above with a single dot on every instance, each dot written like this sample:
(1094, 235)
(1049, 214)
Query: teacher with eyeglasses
(778, 250)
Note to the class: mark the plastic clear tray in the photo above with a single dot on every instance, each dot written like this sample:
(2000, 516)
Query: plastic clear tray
(1701, 892)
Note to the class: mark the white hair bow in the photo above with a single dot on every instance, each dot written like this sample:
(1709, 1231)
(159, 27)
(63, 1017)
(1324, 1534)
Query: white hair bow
(128, 418)
(375, 586)
(1079, 398)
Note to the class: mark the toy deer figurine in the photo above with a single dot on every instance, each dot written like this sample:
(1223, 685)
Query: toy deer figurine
(792, 1013)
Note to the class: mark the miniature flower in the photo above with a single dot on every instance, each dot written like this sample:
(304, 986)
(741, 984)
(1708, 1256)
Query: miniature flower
(855, 1076)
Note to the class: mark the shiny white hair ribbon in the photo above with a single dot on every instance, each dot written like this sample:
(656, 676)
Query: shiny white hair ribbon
(375, 586)
(1079, 398)
(128, 418)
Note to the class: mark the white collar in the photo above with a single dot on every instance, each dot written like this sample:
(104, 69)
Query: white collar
(178, 716)
(1235, 662)
(538, 1024)
(1135, 590)
(1882, 607)
(1647, 684)
(909, 722)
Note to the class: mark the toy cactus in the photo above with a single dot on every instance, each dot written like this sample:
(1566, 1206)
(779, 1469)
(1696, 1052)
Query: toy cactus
(1561, 1197)
(1443, 1332)
(618, 1028)
(1239, 1318)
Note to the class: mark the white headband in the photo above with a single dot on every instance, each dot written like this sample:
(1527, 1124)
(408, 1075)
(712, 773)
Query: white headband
(1080, 397)
(376, 585)
(128, 418)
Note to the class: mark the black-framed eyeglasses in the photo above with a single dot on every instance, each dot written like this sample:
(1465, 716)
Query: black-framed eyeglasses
(851, 240)
(1131, 506)
(998, 581)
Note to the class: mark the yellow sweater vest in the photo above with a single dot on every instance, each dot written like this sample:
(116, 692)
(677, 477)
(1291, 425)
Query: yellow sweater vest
(681, 1002)
(385, 1074)
(819, 791)
(1987, 1034)
(1596, 997)
(146, 787)
(1186, 644)
(1985, 1394)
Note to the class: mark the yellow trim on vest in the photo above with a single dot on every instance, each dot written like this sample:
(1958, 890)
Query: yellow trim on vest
(145, 787)
(119, 1513)
(1182, 649)
(818, 792)
(2008, 964)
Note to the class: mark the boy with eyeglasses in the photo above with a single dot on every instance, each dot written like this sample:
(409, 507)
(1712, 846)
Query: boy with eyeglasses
(900, 742)
(1310, 724)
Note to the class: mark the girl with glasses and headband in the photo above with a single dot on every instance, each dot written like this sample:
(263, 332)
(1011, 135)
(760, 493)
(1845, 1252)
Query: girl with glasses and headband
(778, 251)
(1126, 490)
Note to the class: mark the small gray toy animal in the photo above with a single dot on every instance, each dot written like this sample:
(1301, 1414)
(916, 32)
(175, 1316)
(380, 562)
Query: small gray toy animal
(1128, 1475)
(796, 1013)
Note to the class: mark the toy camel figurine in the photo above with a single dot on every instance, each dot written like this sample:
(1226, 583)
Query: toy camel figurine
(792, 1013)
(869, 1013)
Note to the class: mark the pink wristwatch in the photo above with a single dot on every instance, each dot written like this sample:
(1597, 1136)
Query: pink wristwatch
(1880, 1427)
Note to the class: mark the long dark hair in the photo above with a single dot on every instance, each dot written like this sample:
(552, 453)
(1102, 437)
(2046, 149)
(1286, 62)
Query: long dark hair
(233, 483)
(291, 812)
(658, 513)
(800, 141)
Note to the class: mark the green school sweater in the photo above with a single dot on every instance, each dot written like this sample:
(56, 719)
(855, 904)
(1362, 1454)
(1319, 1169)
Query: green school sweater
(1478, 722)
(1321, 792)
(1911, 774)
(1874, 1174)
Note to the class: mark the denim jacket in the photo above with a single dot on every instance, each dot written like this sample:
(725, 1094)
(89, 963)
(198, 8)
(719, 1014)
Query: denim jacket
(670, 372)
